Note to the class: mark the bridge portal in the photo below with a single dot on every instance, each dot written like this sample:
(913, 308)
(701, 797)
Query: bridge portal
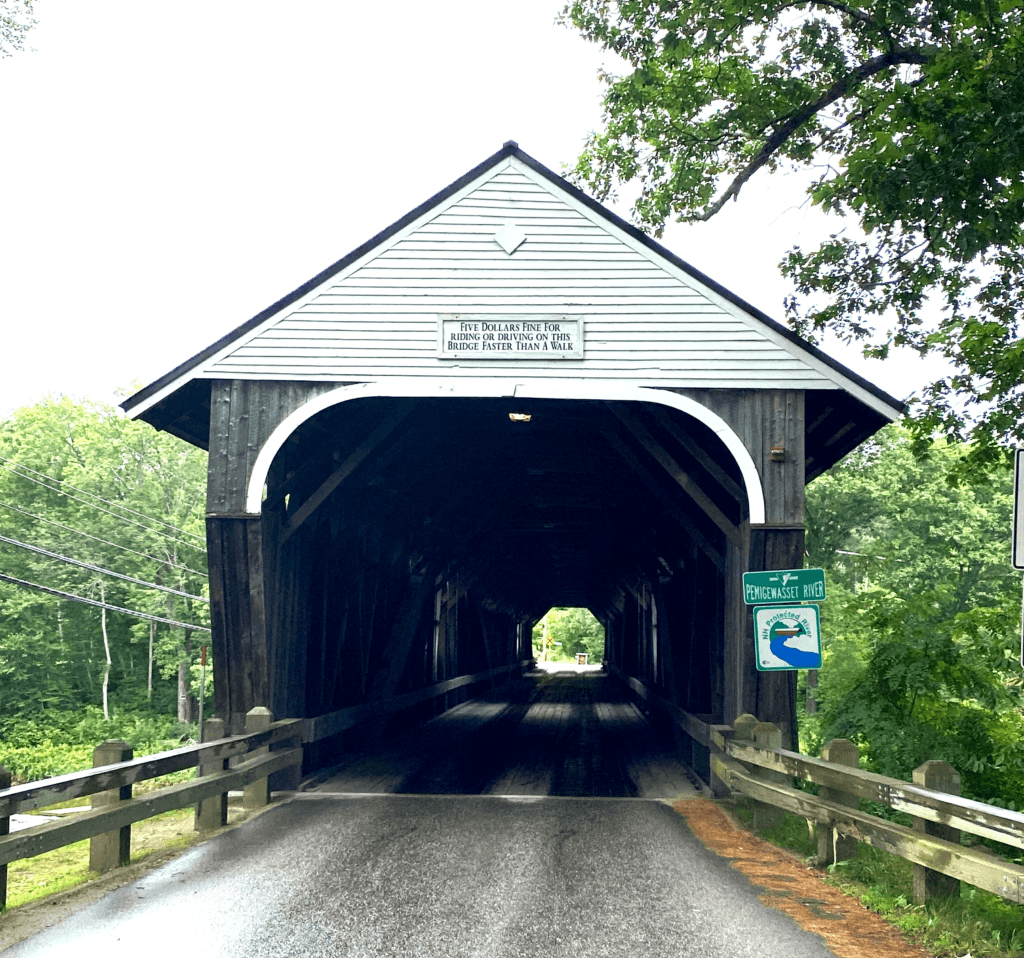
(508, 400)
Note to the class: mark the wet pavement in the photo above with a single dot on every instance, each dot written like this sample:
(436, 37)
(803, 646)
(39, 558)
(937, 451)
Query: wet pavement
(397, 875)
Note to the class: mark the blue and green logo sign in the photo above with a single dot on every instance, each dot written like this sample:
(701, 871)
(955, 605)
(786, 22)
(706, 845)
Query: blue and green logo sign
(787, 637)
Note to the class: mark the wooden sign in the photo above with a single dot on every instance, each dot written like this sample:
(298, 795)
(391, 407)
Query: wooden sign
(509, 337)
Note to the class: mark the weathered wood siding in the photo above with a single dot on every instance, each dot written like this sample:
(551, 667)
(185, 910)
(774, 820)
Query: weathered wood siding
(644, 318)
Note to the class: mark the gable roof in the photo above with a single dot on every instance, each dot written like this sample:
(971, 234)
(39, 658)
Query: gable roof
(373, 314)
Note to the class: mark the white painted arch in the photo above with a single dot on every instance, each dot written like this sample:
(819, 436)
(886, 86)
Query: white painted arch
(496, 389)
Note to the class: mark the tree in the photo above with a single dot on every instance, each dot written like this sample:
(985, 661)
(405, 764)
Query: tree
(910, 112)
(15, 21)
(922, 624)
(81, 481)
(566, 633)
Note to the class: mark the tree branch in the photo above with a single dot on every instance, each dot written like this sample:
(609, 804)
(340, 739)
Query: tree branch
(840, 89)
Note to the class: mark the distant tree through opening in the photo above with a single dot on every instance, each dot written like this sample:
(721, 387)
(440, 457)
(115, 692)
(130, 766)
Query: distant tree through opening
(562, 634)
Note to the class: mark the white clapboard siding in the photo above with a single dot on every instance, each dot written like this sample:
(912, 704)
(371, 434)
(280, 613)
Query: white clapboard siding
(644, 319)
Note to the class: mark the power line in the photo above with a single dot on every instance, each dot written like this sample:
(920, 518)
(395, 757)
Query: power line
(116, 505)
(93, 505)
(96, 568)
(107, 542)
(100, 605)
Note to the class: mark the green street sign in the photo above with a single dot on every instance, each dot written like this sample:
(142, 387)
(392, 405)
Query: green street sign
(787, 637)
(784, 586)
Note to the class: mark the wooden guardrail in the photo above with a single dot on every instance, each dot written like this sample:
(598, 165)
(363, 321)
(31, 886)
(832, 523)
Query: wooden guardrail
(270, 746)
(764, 772)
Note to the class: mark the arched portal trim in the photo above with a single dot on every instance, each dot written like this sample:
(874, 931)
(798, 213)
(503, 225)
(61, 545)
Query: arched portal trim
(485, 389)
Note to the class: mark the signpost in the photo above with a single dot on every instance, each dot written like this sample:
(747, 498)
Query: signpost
(1017, 547)
(1017, 550)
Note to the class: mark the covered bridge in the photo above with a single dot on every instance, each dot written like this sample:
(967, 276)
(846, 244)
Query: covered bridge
(508, 400)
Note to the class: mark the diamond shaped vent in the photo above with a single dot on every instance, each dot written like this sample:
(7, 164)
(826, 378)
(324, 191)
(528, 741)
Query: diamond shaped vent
(510, 237)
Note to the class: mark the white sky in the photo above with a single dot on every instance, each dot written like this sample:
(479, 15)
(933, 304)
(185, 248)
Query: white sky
(170, 169)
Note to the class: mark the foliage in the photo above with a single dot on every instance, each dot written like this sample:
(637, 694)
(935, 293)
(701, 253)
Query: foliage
(921, 628)
(569, 631)
(15, 21)
(57, 742)
(977, 923)
(910, 113)
(81, 481)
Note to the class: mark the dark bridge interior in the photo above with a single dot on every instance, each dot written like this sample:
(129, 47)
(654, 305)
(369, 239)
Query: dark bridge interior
(421, 539)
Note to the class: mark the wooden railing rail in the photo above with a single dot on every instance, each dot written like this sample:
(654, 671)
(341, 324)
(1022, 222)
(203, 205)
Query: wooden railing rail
(30, 842)
(325, 726)
(283, 738)
(35, 795)
(760, 772)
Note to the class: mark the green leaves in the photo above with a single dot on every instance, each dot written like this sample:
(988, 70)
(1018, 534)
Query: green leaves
(913, 111)
(921, 629)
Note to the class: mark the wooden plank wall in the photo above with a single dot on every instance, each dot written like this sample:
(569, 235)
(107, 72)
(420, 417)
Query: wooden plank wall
(763, 420)
(642, 322)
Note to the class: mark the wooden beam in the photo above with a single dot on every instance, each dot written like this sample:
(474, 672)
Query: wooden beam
(669, 464)
(666, 501)
(665, 417)
(355, 458)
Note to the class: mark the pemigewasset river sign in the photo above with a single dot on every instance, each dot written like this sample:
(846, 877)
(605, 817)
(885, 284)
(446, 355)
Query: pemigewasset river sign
(784, 586)
(787, 635)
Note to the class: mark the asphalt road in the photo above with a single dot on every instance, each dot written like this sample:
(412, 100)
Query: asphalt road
(435, 876)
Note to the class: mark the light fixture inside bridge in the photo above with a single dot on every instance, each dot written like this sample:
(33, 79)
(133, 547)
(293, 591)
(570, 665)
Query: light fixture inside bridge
(520, 416)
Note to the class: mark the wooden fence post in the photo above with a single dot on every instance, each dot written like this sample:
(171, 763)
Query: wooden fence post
(942, 777)
(213, 812)
(833, 847)
(767, 735)
(257, 795)
(744, 725)
(5, 829)
(111, 849)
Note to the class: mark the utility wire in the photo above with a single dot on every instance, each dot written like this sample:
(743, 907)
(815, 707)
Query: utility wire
(96, 568)
(93, 505)
(107, 542)
(100, 605)
(116, 505)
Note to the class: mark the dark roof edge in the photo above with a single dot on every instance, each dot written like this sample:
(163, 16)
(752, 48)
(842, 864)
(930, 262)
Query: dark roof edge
(510, 148)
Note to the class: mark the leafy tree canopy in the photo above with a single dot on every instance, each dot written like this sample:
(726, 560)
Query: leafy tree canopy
(15, 21)
(921, 629)
(911, 113)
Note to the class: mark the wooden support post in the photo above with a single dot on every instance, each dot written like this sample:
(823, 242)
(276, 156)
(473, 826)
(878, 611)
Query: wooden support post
(111, 849)
(5, 829)
(745, 725)
(718, 787)
(257, 795)
(767, 735)
(833, 847)
(212, 813)
(942, 777)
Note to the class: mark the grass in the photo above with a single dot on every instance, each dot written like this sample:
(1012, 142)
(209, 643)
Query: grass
(68, 867)
(977, 923)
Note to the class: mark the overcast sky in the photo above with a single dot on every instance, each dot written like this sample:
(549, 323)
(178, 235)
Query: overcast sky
(170, 169)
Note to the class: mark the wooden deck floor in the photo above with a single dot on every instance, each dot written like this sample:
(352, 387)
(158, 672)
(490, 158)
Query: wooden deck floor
(566, 733)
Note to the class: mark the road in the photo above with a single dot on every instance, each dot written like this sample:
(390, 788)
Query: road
(527, 823)
(437, 876)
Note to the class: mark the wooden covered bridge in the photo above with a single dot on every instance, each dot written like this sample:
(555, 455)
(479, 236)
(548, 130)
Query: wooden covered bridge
(508, 400)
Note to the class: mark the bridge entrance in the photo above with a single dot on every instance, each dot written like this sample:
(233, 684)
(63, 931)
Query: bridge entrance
(507, 401)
